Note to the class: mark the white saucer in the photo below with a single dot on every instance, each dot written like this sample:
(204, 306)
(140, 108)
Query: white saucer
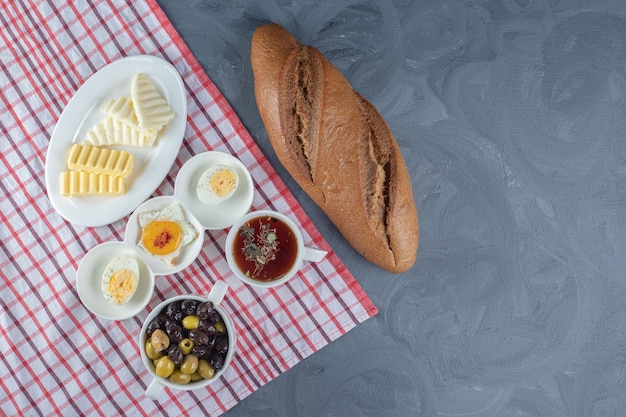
(188, 253)
(89, 274)
(221, 215)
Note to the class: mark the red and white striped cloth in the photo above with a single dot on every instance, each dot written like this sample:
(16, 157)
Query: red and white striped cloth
(58, 358)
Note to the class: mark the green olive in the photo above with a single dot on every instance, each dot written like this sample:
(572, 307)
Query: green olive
(220, 328)
(205, 369)
(185, 346)
(196, 377)
(191, 322)
(178, 377)
(164, 367)
(189, 365)
(151, 351)
(160, 340)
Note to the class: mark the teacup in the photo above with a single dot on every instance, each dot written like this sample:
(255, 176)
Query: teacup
(215, 296)
(265, 248)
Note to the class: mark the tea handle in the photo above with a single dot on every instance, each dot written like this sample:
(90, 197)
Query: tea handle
(313, 254)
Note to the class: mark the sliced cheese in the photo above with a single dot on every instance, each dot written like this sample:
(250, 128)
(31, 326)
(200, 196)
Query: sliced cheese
(121, 109)
(151, 109)
(112, 131)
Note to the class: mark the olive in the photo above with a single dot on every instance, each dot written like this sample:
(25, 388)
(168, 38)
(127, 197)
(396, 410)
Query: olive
(175, 354)
(164, 367)
(199, 337)
(151, 351)
(207, 327)
(160, 340)
(205, 369)
(185, 346)
(178, 377)
(204, 309)
(188, 307)
(189, 364)
(214, 316)
(216, 361)
(195, 377)
(175, 332)
(155, 324)
(191, 322)
(173, 311)
(221, 344)
(220, 328)
(201, 351)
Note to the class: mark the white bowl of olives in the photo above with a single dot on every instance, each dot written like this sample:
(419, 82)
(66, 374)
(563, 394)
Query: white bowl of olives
(187, 341)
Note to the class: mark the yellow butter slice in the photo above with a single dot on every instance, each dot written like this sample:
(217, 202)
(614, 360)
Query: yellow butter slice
(112, 131)
(98, 160)
(151, 109)
(83, 183)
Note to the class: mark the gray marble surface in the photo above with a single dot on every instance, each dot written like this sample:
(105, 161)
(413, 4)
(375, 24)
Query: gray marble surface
(511, 116)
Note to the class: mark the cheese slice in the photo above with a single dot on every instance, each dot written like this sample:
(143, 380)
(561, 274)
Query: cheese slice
(151, 109)
(121, 109)
(112, 131)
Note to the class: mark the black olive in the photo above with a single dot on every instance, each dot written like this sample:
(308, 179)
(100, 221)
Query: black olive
(175, 354)
(155, 324)
(214, 316)
(217, 360)
(198, 337)
(200, 351)
(175, 332)
(204, 309)
(206, 327)
(188, 307)
(173, 311)
(221, 344)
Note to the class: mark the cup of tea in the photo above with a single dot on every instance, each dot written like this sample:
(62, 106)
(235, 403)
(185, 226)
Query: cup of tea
(187, 341)
(265, 248)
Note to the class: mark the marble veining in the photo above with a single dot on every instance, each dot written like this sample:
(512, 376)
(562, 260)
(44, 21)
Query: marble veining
(511, 117)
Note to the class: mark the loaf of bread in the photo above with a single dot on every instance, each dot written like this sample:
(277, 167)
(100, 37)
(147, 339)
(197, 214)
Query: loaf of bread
(336, 146)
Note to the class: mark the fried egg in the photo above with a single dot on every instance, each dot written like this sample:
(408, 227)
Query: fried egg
(119, 279)
(165, 232)
(217, 184)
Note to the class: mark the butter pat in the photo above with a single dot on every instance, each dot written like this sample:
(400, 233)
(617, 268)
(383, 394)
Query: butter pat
(82, 183)
(100, 161)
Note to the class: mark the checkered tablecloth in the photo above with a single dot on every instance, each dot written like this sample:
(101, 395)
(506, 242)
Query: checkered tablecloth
(57, 358)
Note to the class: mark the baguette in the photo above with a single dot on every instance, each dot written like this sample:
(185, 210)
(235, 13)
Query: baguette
(337, 147)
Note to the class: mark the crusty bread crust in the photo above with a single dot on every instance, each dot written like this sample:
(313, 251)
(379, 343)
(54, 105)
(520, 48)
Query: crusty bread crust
(337, 147)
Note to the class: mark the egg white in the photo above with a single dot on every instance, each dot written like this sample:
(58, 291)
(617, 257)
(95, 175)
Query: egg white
(172, 213)
(204, 191)
(116, 264)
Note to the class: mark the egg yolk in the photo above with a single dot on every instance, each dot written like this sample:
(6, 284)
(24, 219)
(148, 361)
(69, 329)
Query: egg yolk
(161, 237)
(222, 182)
(122, 285)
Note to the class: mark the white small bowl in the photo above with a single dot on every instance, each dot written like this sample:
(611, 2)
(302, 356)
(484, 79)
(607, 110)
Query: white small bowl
(156, 385)
(89, 275)
(188, 253)
(220, 215)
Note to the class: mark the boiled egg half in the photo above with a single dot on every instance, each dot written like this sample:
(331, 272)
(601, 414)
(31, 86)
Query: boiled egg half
(164, 232)
(120, 278)
(217, 184)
